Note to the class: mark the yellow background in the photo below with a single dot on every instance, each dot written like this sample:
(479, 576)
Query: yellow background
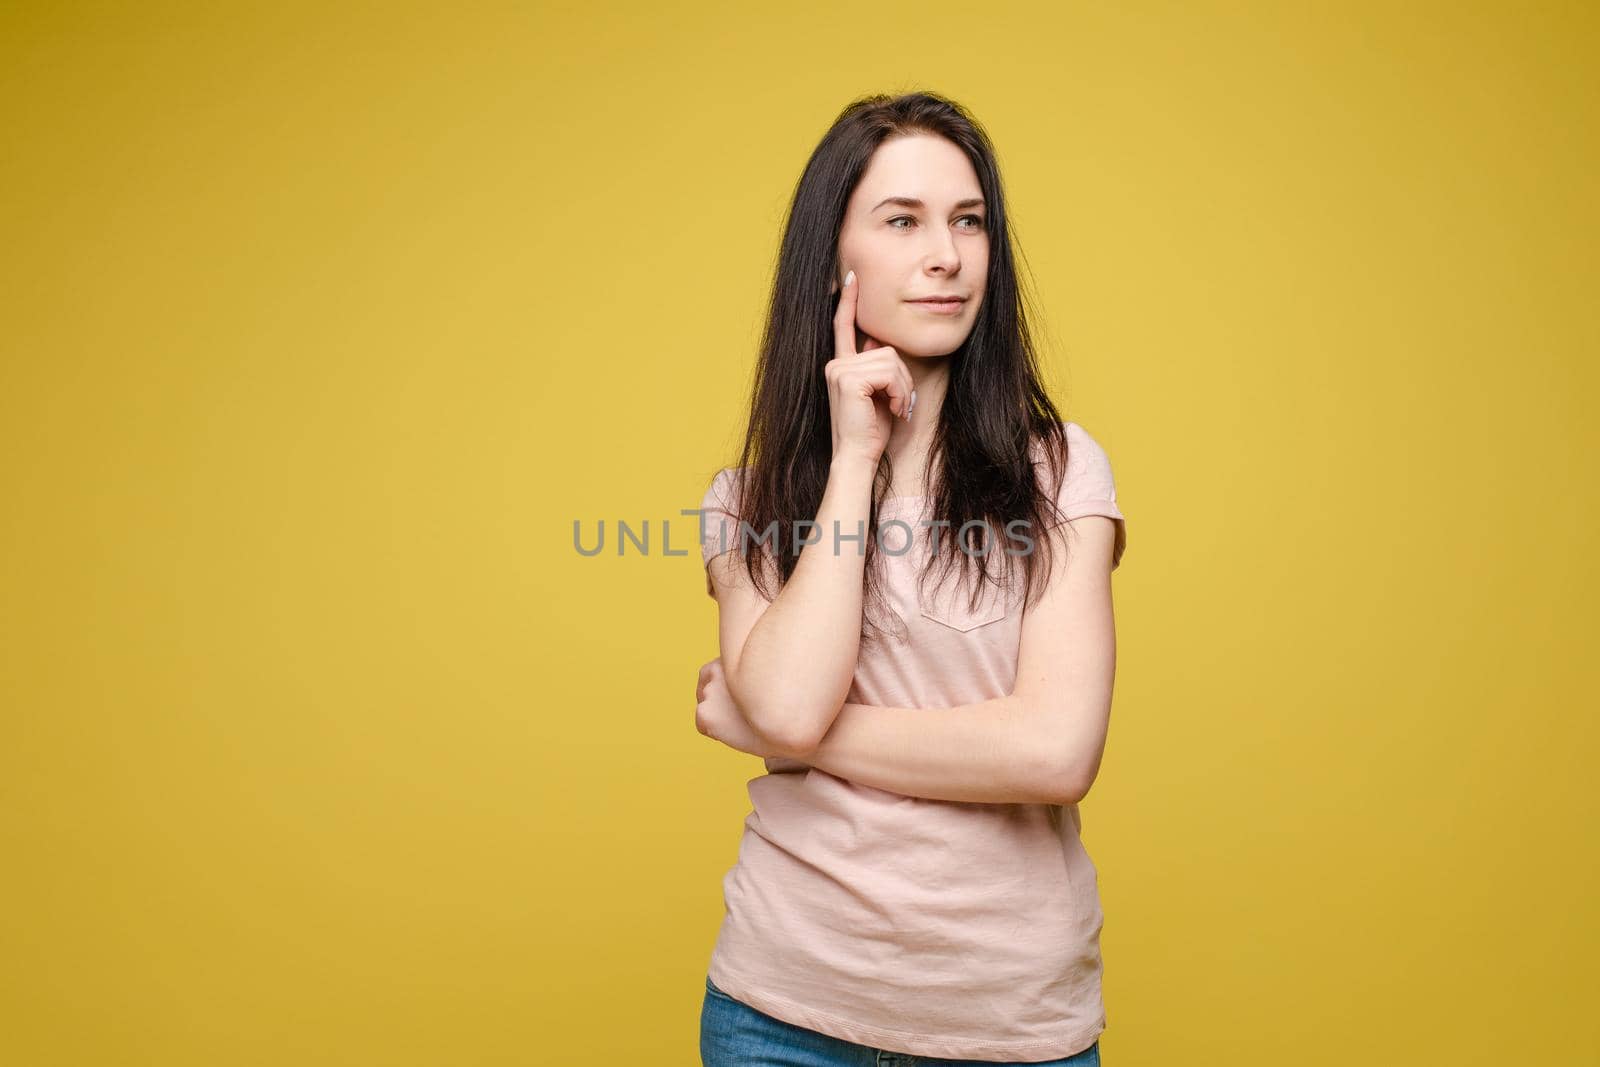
(321, 325)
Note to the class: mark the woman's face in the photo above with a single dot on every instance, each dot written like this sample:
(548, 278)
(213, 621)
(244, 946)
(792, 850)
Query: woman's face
(916, 226)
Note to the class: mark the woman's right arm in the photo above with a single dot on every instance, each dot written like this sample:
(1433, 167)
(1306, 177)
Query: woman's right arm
(789, 663)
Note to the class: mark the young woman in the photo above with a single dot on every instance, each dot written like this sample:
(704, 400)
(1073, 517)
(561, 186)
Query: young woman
(912, 567)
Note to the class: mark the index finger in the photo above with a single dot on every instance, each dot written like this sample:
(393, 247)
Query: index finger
(844, 319)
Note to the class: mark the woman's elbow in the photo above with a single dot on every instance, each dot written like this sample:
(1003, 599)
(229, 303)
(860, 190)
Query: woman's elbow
(1072, 783)
(792, 725)
(1074, 792)
(791, 730)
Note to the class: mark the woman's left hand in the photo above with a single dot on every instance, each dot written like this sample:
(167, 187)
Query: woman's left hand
(719, 718)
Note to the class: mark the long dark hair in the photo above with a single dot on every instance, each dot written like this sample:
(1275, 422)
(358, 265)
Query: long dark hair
(995, 412)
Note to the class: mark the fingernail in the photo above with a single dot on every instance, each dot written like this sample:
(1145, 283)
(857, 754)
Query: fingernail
(850, 277)
(912, 409)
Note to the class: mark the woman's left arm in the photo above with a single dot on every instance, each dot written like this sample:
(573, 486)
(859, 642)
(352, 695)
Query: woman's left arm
(1043, 742)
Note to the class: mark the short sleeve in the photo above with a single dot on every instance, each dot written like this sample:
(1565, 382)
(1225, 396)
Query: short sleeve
(1089, 488)
(718, 519)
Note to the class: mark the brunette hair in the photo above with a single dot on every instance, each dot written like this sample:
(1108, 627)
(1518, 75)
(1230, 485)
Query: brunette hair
(996, 417)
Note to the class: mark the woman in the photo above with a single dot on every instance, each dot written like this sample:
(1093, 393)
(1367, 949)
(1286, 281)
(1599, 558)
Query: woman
(912, 571)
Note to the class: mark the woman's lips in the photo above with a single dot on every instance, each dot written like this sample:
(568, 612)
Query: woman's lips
(939, 307)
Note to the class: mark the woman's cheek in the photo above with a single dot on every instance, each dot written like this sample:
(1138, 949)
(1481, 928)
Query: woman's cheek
(877, 318)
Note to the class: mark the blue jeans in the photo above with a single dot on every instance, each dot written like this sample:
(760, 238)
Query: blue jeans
(733, 1034)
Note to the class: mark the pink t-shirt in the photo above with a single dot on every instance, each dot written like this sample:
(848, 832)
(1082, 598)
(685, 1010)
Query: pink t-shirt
(931, 927)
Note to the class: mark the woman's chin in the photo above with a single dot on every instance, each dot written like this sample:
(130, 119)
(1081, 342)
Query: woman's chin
(924, 346)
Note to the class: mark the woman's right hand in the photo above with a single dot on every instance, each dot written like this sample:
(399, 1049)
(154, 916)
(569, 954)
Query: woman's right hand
(866, 389)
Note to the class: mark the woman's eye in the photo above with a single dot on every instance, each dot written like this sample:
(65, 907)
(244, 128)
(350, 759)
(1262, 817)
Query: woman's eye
(976, 219)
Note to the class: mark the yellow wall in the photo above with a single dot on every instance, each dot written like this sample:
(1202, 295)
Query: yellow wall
(320, 743)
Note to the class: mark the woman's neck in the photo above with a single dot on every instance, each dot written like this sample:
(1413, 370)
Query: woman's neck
(909, 441)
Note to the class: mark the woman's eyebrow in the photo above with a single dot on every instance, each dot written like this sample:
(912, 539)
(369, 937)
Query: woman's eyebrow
(911, 201)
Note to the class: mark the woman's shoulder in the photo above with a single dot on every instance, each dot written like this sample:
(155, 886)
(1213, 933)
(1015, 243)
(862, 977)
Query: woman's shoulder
(1083, 450)
(1088, 474)
(1085, 455)
(1076, 432)
(724, 492)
